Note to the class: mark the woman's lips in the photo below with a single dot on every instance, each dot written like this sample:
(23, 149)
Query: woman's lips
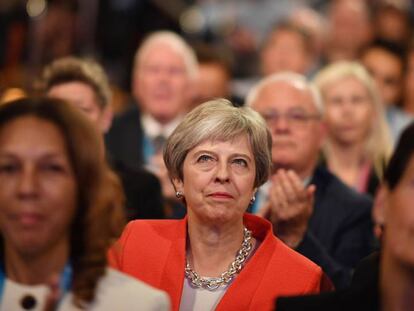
(221, 195)
(29, 218)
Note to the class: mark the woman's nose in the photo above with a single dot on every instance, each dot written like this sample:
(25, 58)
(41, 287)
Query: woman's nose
(222, 173)
(28, 183)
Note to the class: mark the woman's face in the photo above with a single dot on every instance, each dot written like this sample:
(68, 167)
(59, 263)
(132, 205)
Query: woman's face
(38, 192)
(349, 111)
(218, 180)
(399, 218)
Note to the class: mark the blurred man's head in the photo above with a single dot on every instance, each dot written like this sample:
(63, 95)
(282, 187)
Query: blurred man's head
(292, 109)
(287, 48)
(385, 61)
(84, 84)
(214, 73)
(349, 29)
(165, 67)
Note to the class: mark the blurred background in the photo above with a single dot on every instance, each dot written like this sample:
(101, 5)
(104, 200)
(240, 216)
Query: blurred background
(34, 32)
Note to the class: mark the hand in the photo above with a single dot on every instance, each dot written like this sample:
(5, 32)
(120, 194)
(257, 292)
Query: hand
(290, 206)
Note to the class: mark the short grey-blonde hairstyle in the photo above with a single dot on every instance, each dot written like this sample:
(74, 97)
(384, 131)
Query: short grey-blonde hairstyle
(73, 69)
(175, 42)
(378, 144)
(289, 77)
(219, 120)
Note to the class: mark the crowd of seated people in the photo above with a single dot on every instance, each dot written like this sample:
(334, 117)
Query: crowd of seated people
(239, 189)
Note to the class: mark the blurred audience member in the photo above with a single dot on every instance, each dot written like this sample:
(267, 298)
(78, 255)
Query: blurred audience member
(385, 61)
(384, 280)
(53, 33)
(315, 24)
(358, 141)
(408, 104)
(214, 73)
(288, 47)
(349, 29)
(312, 211)
(164, 74)
(13, 44)
(392, 21)
(122, 25)
(60, 209)
(83, 83)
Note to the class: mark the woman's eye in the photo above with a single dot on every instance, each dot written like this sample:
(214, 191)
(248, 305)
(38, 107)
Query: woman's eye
(240, 162)
(8, 168)
(52, 167)
(204, 158)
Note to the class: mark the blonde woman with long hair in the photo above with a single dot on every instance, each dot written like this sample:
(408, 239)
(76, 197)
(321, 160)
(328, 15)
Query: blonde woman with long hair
(358, 141)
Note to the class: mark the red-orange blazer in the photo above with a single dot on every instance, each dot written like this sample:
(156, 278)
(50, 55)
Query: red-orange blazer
(154, 252)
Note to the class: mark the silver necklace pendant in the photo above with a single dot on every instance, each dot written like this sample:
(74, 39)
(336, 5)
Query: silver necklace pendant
(225, 278)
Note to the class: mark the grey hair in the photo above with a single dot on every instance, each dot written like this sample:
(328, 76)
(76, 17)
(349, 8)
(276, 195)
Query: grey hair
(175, 42)
(292, 78)
(219, 120)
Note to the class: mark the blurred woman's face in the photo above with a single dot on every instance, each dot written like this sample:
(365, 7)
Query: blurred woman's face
(218, 180)
(399, 218)
(349, 111)
(38, 192)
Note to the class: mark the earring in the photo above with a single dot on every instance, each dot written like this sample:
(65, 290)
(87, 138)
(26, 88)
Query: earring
(253, 199)
(179, 195)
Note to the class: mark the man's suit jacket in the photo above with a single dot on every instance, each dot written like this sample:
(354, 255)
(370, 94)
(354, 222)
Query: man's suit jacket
(340, 231)
(124, 147)
(155, 252)
(362, 295)
(142, 193)
(124, 141)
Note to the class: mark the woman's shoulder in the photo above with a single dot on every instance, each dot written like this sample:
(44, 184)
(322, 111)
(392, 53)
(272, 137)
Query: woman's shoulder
(118, 291)
(153, 223)
(295, 272)
(293, 259)
(146, 228)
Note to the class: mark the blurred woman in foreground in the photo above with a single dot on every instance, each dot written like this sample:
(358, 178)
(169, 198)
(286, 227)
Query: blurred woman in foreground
(218, 257)
(60, 208)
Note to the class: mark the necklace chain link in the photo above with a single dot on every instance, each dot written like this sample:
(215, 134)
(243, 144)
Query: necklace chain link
(226, 276)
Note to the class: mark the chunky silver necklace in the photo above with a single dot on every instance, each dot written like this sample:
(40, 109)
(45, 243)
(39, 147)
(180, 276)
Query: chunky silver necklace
(226, 276)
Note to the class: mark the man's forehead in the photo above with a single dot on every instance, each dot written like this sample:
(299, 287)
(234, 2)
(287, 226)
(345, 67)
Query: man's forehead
(285, 93)
(160, 48)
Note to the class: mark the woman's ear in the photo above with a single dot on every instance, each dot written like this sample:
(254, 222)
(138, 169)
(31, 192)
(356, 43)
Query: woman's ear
(178, 185)
(379, 210)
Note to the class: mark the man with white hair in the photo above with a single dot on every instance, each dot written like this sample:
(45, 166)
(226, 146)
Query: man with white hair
(165, 68)
(311, 209)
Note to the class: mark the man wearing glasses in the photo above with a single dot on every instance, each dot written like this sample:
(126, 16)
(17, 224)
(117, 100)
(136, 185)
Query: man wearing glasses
(312, 211)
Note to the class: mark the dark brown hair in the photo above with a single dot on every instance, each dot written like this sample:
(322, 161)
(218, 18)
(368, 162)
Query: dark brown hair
(99, 218)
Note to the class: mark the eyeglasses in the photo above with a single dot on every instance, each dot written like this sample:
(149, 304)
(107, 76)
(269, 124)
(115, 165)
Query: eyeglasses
(297, 119)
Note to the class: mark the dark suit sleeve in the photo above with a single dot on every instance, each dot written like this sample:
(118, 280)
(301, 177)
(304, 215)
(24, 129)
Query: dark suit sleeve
(311, 248)
(143, 194)
(352, 241)
(124, 140)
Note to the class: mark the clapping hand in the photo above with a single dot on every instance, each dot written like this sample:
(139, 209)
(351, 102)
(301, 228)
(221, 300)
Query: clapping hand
(289, 207)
